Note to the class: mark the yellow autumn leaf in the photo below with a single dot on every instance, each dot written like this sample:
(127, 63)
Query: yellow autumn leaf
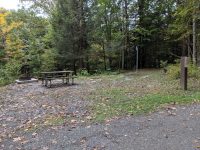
(11, 43)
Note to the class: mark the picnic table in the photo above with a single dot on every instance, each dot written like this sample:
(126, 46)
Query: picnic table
(65, 76)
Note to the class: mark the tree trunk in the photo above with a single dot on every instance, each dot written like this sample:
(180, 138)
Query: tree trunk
(74, 60)
(194, 57)
(184, 47)
(126, 36)
(104, 57)
(123, 59)
(82, 34)
(141, 9)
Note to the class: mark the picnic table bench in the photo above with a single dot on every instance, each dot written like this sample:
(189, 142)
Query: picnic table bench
(65, 76)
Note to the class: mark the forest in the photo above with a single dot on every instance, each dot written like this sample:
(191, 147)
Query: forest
(100, 75)
(97, 35)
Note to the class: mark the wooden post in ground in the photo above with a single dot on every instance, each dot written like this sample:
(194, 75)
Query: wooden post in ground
(184, 72)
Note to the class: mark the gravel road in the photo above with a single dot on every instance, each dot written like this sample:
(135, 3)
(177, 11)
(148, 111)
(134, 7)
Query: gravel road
(22, 106)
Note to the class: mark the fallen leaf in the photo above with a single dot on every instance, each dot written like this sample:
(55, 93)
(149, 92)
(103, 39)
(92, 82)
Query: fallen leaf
(73, 121)
(106, 133)
(34, 134)
(172, 108)
(10, 119)
(54, 142)
(45, 148)
(44, 106)
(198, 147)
(83, 140)
(89, 118)
(10, 135)
(24, 141)
(17, 139)
(171, 113)
(88, 127)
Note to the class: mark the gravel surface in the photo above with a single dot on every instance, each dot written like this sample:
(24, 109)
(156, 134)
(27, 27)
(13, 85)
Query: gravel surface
(28, 121)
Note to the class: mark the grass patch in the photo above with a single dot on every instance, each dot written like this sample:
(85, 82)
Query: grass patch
(54, 121)
(139, 95)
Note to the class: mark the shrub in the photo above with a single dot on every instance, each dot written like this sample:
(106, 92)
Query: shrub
(163, 65)
(194, 71)
(83, 72)
(9, 72)
(173, 71)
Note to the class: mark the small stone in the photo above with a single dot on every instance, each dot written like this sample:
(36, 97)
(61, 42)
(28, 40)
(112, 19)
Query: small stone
(73, 121)
(83, 140)
(106, 133)
(166, 136)
(54, 142)
(173, 108)
(34, 134)
(88, 127)
(89, 118)
(45, 148)
(105, 128)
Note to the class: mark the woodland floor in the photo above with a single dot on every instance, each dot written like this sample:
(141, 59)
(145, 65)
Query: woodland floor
(102, 112)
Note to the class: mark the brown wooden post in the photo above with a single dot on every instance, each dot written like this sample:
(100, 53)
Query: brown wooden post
(184, 72)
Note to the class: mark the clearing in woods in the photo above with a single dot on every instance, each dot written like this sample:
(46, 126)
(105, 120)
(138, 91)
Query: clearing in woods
(102, 112)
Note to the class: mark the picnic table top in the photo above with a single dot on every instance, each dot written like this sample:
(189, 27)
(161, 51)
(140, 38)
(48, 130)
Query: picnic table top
(53, 72)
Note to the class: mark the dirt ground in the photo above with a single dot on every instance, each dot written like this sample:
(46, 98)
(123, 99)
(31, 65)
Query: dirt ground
(33, 117)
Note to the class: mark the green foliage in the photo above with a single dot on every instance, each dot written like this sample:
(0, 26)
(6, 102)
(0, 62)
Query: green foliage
(194, 71)
(49, 60)
(163, 64)
(34, 33)
(173, 71)
(102, 34)
(10, 72)
(83, 72)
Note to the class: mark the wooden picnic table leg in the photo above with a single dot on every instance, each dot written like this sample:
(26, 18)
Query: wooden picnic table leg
(45, 78)
(67, 78)
(46, 82)
(70, 77)
(49, 83)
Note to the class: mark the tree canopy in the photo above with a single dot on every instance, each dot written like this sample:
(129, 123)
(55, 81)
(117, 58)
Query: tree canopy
(100, 34)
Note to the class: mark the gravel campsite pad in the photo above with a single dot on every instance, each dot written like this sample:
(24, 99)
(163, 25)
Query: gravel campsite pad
(37, 118)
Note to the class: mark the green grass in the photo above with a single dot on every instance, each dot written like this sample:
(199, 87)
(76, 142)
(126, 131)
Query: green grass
(140, 94)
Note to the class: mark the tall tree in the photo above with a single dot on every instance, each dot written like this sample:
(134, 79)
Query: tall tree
(11, 45)
(69, 27)
(184, 27)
